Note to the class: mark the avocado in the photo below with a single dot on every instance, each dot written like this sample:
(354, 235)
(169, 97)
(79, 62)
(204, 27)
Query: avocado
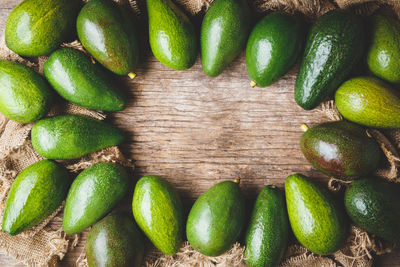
(94, 192)
(273, 47)
(171, 34)
(341, 149)
(216, 219)
(373, 204)
(36, 193)
(115, 241)
(25, 96)
(267, 234)
(369, 101)
(224, 33)
(109, 33)
(334, 47)
(384, 52)
(75, 78)
(38, 27)
(157, 209)
(317, 221)
(72, 136)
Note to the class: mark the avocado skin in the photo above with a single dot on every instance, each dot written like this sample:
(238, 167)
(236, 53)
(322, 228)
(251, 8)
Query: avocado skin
(35, 194)
(341, 149)
(373, 204)
(157, 209)
(273, 47)
(115, 241)
(384, 52)
(25, 96)
(317, 221)
(94, 192)
(172, 36)
(216, 219)
(113, 24)
(334, 46)
(78, 80)
(72, 136)
(370, 102)
(38, 27)
(267, 234)
(224, 33)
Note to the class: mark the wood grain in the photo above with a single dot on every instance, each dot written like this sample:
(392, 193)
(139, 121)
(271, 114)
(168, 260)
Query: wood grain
(196, 131)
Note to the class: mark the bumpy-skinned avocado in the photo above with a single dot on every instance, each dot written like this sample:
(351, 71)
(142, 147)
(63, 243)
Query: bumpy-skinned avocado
(94, 192)
(317, 221)
(72, 136)
(35, 194)
(172, 35)
(38, 27)
(157, 209)
(334, 46)
(216, 219)
(109, 33)
(115, 241)
(224, 33)
(341, 149)
(267, 234)
(78, 80)
(273, 47)
(369, 101)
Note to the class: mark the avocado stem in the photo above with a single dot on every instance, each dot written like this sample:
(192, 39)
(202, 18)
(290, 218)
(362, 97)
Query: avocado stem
(253, 84)
(132, 75)
(236, 180)
(304, 127)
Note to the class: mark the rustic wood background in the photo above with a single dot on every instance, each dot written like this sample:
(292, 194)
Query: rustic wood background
(196, 131)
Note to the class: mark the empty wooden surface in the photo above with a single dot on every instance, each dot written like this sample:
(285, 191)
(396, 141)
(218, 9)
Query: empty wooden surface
(196, 131)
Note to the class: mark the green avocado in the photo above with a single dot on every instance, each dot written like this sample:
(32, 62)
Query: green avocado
(94, 192)
(334, 47)
(267, 234)
(273, 47)
(369, 101)
(38, 27)
(384, 52)
(317, 221)
(35, 194)
(109, 33)
(373, 204)
(78, 80)
(216, 219)
(224, 33)
(172, 36)
(341, 149)
(115, 241)
(25, 96)
(157, 209)
(72, 136)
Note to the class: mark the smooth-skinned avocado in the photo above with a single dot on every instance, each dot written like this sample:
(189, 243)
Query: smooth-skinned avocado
(267, 234)
(224, 33)
(172, 35)
(373, 204)
(157, 209)
(108, 31)
(317, 221)
(341, 149)
(72, 136)
(35, 194)
(78, 80)
(38, 27)
(216, 219)
(334, 46)
(115, 241)
(273, 47)
(94, 192)
(370, 102)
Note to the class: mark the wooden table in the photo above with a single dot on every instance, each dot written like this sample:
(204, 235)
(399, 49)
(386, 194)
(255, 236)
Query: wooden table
(196, 131)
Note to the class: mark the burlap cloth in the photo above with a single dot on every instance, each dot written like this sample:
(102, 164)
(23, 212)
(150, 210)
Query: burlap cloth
(46, 244)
